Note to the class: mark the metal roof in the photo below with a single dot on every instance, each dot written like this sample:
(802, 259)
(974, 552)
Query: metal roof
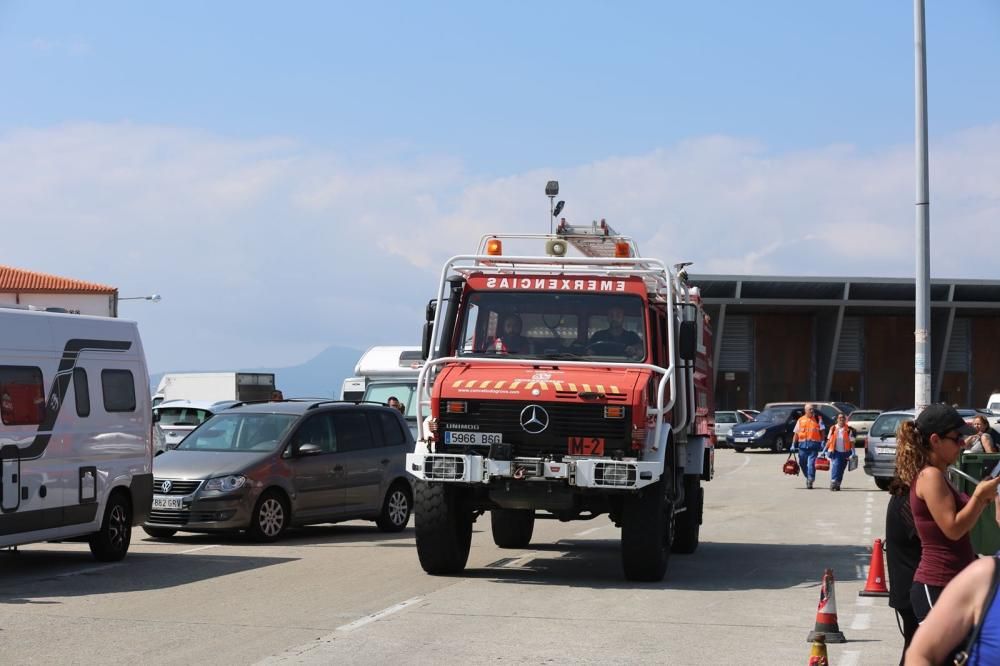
(778, 291)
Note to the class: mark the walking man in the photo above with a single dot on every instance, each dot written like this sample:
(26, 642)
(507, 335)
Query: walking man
(808, 440)
(839, 447)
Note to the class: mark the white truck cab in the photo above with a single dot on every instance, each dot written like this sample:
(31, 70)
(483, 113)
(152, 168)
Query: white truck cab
(387, 371)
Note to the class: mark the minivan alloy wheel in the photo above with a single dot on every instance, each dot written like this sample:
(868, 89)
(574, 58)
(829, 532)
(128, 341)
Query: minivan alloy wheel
(271, 517)
(399, 507)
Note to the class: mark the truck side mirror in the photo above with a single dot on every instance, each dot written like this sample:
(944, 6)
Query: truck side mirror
(687, 340)
(431, 310)
(425, 345)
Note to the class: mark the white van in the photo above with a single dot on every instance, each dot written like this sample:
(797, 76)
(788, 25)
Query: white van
(75, 431)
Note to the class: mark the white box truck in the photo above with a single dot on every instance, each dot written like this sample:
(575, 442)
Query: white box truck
(215, 386)
(75, 431)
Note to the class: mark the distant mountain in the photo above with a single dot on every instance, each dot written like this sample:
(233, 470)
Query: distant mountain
(319, 377)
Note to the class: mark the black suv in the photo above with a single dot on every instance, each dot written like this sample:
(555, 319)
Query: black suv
(263, 467)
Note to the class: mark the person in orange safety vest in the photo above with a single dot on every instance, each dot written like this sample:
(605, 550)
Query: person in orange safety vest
(839, 447)
(807, 439)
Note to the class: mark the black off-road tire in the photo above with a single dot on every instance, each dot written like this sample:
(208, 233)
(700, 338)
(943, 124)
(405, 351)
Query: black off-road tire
(396, 508)
(647, 533)
(687, 523)
(270, 518)
(443, 526)
(159, 532)
(111, 542)
(512, 528)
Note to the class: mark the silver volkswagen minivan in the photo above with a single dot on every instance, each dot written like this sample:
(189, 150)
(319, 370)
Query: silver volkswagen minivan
(264, 467)
(880, 450)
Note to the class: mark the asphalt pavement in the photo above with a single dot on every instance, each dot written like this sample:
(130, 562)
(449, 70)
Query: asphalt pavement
(348, 593)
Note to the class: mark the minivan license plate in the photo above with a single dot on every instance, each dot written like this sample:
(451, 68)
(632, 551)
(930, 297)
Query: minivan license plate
(474, 438)
(165, 502)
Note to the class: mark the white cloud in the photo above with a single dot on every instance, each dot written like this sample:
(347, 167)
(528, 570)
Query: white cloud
(267, 250)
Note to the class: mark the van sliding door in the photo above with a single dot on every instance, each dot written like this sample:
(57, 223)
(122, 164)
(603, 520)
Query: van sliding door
(10, 478)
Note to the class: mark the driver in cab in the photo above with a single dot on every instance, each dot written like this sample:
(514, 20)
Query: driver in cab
(509, 339)
(615, 340)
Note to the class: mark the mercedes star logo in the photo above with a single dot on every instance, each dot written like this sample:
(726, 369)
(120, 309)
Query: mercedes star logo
(534, 419)
(167, 485)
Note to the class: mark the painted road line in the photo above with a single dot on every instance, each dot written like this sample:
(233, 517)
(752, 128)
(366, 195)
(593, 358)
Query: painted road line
(861, 622)
(746, 461)
(850, 658)
(83, 572)
(374, 617)
(195, 550)
(590, 531)
(520, 561)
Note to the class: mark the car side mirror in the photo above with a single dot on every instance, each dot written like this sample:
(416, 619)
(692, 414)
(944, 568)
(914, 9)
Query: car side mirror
(687, 340)
(308, 449)
(156, 417)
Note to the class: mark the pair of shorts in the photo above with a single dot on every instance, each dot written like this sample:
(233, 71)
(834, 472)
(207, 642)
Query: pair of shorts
(922, 598)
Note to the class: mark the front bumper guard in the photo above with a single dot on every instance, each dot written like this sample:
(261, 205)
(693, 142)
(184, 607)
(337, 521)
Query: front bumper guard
(599, 473)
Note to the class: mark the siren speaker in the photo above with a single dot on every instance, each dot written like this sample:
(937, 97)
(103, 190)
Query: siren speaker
(555, 247)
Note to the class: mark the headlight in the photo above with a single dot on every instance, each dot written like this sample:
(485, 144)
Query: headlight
(760, 433)
(226, 483)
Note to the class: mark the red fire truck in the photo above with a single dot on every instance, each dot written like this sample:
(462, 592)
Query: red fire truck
(563, 387)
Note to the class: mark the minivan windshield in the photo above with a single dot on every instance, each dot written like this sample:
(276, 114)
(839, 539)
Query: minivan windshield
(886, 425)
(239, 432)
(182, 416)
(774, 415)
(566, 326)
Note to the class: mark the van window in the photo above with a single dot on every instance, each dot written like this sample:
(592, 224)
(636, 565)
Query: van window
(119, 390)
(22, 395)
(352, 431)
(81, 391)
(388, 425)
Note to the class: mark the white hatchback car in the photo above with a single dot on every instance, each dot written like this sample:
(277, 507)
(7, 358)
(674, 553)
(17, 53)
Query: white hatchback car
(176, 418)
(724, 422)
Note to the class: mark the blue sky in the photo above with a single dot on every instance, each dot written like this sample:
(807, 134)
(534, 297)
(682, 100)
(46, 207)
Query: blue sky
(302, 144)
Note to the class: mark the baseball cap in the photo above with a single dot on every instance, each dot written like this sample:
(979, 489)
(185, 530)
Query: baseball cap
(940, 419)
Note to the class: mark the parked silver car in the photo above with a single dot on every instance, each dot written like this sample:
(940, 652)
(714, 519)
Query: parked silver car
(176, 418)
(880, 451)
(264, 467)
(724, 422)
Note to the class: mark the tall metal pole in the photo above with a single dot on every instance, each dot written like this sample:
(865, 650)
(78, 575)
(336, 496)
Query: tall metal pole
(922, 331)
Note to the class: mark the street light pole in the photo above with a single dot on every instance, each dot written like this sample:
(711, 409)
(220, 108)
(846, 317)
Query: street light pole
(922, 332)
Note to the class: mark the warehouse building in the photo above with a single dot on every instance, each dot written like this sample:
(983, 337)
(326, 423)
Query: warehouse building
(848, 339)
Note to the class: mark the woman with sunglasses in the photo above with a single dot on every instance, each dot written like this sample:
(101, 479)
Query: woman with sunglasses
(943, 516)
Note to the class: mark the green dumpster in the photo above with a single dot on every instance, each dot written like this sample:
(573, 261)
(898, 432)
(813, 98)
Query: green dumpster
(985, 533)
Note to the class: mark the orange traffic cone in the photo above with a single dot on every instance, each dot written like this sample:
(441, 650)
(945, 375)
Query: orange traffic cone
(817, 655)
(826, 613)
(875, 587)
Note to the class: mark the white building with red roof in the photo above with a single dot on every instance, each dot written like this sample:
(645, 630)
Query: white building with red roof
(41, 290)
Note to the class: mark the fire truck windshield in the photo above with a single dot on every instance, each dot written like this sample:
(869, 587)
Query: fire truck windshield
(584, 327)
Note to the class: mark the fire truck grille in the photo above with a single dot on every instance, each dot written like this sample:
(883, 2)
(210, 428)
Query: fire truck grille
(565, 420)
